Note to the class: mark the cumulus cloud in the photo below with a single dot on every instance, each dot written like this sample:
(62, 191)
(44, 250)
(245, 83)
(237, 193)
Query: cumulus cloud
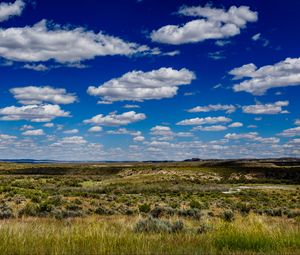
(95, 129)
(222, 43)
(213, 128)
(34, 132)
(123, 131)
(161, 130)
(38, 67)
(212, 23)
(26, 127)
(71, 140)
(259, 80)
(274, 108)
(297, 122)
(114, 119)
(7, 10)
(139, 85)
(291, 132)
(256, 37)
(211, 107)
(253, 136)
(130, 106)
(139, 138)
(38, 95)
(34, 113)
(166, 133)
(7, 137)
(236, 124)
(46, 41)
(201, 121)
(48, 125)
(71, 131)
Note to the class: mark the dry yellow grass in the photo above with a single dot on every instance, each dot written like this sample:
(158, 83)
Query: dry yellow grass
(115, 235)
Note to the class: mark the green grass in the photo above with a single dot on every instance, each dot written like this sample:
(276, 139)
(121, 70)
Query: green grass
(115, 235)
(95, 208)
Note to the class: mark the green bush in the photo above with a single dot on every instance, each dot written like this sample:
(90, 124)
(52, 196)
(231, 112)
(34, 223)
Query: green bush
(160, 211)
(6, 212)
(145, 208)
(193, 213)
(155, 225)
(228, 216)
(64, 214)
(30, 209)
(102, 210)
(204, 228)
(196, 204)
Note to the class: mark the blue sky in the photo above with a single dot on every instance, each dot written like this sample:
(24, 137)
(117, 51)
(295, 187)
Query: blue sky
(144, 80)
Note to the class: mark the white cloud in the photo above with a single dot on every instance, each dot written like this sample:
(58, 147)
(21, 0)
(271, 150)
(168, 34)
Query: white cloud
(38, 95)
(274, 108)
(211, 107)
(71, 131)
(123, 131)
(35, 113)
(7, 137)
(222, 43)
(297, 122)
(26, 127)
(236, 124)
(45, 41)
(258, 81)
(139, 138)
(71, 140)
(38, 67)
(34, 132)
(216, 55)
(95, 129)
(212, 23)
(48, 125)
(213, 128)
(161, 130)
(201, 121)
(291, 132)
(130, 106)
(252, 136)
(7, 10)
(114, 119)
(139, 85)
(166, 133)
(256, 37)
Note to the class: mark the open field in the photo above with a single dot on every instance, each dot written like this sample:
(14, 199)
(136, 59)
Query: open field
(210, 207)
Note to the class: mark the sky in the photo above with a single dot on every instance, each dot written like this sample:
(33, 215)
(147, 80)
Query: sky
(149, 79)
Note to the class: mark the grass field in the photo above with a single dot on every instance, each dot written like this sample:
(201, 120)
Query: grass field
(209, 207)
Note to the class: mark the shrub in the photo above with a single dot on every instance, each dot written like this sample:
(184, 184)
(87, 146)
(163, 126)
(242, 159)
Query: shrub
(293, 214)
(6, 212)
(228, 216)
(160, 211)
(73, 207)
(56, 200)
(196, 204)
(64, 214)
(30, 209)
(145, 208)
(204, 228)
(243, 208)
(19, 199)
(155, 225)
(102, 210)
(193, 213)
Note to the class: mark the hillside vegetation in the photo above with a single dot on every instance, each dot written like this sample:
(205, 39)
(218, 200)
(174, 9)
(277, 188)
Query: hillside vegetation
(214, 207)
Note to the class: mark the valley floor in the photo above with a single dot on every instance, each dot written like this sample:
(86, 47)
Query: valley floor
(150, 208)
